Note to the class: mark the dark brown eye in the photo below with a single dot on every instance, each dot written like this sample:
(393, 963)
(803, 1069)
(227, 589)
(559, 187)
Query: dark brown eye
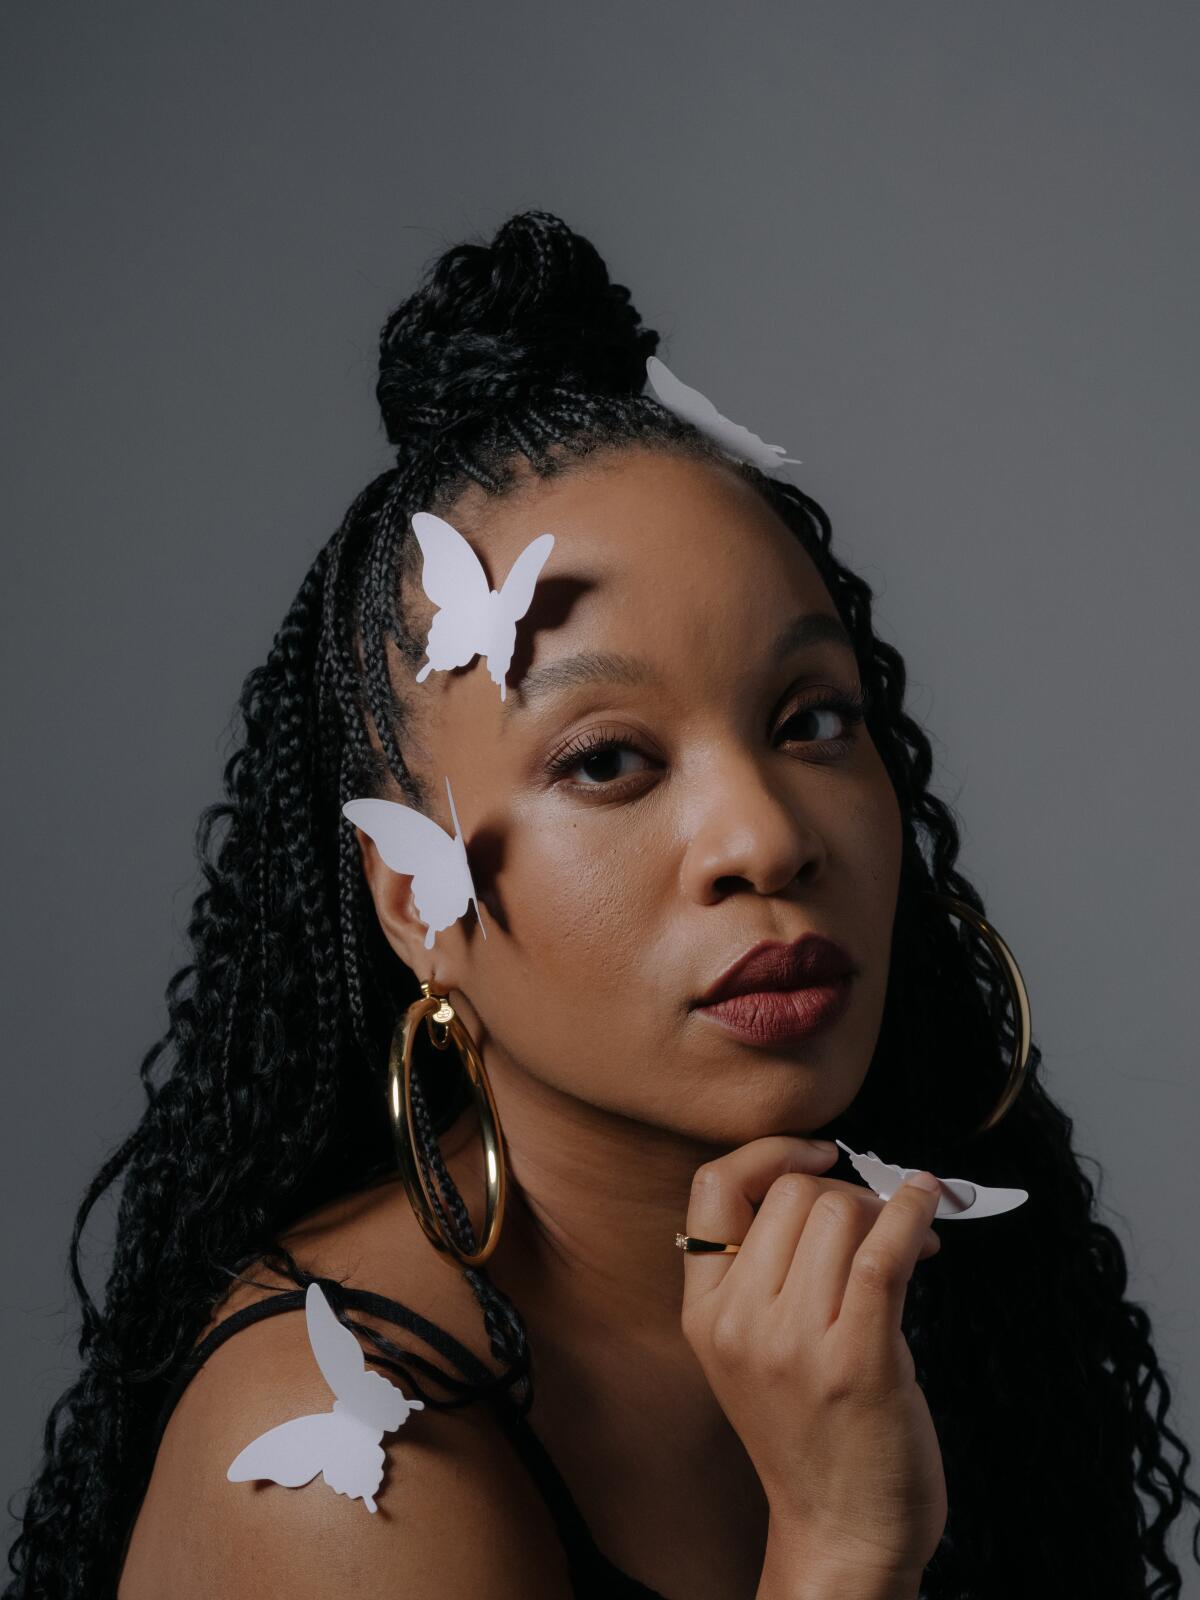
(601, 759)
(847, 709)
(596, 752)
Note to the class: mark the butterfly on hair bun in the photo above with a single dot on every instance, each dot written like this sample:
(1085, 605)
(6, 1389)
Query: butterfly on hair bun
(690, 405)
(474, 619)
(342, 1444)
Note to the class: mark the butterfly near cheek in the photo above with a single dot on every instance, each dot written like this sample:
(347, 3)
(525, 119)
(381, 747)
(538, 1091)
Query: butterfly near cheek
(342, 1444)
(473, 619)
(410, 842)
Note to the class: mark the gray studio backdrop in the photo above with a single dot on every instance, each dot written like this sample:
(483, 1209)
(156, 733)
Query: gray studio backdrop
(945, 253)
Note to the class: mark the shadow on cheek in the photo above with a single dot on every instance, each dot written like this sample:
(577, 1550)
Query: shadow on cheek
(485, 857)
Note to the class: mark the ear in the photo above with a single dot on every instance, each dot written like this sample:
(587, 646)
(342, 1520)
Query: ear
(398, 916)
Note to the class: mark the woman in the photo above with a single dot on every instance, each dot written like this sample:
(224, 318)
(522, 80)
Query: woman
(701, 746)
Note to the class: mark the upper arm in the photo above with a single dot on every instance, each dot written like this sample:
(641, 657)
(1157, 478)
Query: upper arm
(453, 1516)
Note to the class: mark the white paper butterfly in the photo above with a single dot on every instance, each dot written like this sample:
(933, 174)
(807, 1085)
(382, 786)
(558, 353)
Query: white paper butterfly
(693, 407)
(474, 619)
(342, 1444)
(965, 1200)
(411, 842)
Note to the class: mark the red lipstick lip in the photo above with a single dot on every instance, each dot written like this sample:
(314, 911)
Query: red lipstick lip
(781, 1017)
(807, 962)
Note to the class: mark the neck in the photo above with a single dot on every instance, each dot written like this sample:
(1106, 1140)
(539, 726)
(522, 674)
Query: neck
(593, 1203)
(587, 1253)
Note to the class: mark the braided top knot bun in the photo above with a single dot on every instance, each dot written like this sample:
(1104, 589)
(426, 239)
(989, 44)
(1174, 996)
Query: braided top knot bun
(493, 327)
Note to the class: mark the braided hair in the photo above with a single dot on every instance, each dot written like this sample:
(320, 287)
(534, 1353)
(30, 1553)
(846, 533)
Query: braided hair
(265, 1097)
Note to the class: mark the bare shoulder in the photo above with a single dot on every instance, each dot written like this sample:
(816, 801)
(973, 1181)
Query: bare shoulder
(453, 1516)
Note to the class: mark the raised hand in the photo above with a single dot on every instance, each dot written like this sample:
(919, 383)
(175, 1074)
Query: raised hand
(799, 1337)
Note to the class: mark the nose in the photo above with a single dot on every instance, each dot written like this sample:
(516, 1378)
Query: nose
(748, 829)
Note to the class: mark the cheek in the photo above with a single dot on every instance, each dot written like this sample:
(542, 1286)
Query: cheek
(572, 992)
(871, 842)
(579, 907)
(890, 827)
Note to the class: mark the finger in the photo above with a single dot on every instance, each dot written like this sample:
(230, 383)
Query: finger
(880, 1270)
(760, 1268)
(725, 1192)
(837, 1224)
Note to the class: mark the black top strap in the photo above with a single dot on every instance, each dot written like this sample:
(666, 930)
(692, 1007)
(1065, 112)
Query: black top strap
(592, 1574)
(283, 1300)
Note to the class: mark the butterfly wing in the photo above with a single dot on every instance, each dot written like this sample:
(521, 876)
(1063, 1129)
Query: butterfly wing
(291, 1454)
(346, 1454)
(337, 1352)
(680, 397)
(511, 603)
(878, 1175)
(367, 1397)
(356, 1462)
(411, 842)
(697, 409)
(453, 578)
(978, 1200)
(963, 1199)
(407, 838)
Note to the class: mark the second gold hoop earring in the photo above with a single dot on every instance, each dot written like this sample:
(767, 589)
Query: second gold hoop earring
(1022, 1032)
(435, 1010)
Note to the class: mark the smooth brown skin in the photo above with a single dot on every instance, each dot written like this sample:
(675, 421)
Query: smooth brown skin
(610, 904)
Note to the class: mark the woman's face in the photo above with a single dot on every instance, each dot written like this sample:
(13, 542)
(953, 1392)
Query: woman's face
(728, 804)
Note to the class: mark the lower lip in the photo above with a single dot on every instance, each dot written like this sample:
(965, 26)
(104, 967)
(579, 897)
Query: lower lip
(781, 1016)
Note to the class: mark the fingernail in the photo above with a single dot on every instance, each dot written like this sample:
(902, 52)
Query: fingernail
(823, 1144)
(925, 1180)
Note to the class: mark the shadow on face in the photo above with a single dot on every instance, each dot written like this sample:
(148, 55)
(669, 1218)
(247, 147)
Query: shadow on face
(670, 779)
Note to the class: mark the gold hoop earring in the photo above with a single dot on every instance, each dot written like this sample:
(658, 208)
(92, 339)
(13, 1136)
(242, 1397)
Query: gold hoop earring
(436, 1009)
(1018, 994)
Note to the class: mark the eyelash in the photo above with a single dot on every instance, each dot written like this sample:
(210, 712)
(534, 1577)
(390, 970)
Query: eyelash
(852, 707)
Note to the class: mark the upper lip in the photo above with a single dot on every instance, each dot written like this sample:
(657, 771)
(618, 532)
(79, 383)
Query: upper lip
(771, 965)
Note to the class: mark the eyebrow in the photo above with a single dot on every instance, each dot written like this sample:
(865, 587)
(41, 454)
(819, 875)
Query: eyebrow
(602, 666)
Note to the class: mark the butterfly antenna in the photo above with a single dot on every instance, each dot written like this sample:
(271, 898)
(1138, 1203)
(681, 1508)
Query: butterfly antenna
(458, 835)
(453, 812)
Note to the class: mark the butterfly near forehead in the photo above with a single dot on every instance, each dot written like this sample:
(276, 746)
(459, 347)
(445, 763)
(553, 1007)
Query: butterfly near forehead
(473, 618)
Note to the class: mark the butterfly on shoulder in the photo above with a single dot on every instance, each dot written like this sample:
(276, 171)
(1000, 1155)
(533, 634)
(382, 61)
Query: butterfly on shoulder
(343, 1443)
(959, 1199)
(474, 618)
(411, 842)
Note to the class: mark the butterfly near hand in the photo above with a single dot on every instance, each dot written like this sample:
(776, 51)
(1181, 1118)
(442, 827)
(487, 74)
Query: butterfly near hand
(958, 1197)
(342, 1444)
(474, 618)
(411, 842)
